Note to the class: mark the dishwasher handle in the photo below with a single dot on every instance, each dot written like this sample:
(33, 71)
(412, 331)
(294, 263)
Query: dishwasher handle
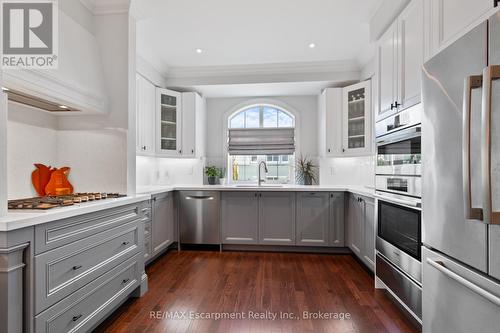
(199, 197)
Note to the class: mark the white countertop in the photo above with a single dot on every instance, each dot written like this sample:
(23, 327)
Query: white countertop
(17, 219)
(23, 218)
(361, 190)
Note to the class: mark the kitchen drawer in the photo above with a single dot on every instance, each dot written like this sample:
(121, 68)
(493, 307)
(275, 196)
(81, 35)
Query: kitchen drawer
(59, 233)
(61, 271)
(85, 308)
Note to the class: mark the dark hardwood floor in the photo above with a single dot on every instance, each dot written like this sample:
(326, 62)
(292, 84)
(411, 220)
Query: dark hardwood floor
(247, 283)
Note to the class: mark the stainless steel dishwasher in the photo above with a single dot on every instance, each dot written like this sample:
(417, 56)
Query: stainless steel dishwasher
(199, 217)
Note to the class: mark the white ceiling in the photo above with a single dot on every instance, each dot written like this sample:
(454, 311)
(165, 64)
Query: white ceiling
(241, 32)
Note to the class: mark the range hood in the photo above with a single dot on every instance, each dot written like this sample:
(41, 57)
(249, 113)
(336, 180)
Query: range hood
(36, 102)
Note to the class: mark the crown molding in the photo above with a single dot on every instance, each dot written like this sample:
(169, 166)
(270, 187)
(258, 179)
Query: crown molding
(264, 69)
(107, 7)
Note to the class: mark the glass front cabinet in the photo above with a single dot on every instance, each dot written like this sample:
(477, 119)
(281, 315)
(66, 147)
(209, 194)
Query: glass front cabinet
(168, 122)
(356, 132)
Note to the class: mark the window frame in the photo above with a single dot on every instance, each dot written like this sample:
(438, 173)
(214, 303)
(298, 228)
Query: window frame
(261, 106)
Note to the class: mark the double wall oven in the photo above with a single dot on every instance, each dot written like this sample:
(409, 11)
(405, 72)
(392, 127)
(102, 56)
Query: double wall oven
(398, 185)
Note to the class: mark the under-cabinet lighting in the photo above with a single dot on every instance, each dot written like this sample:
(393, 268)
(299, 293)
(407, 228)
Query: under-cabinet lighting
(312, 45)
(63, 107)
(199, 51)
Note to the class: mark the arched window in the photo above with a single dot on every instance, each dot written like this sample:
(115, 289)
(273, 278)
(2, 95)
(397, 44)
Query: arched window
(262, 118)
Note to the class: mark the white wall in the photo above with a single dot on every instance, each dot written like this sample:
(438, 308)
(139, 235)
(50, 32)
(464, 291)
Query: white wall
(31, 138)
(93, 155)
(347, 171)
(169, 171)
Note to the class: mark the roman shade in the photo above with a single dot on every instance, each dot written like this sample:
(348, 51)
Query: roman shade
(261, 141)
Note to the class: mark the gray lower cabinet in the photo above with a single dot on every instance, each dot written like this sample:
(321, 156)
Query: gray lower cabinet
(163, 218)
(354, 224)
(369, 233)
(240, 218)
(361, 228)
(61, 271)
(86, 307)
(337, 217)
(277, 218)
(313, 212)
(148, 230)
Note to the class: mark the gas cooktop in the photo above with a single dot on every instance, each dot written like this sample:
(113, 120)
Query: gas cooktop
(49, 202)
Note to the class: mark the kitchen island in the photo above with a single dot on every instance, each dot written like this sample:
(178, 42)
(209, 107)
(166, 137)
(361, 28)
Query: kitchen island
(68, 268)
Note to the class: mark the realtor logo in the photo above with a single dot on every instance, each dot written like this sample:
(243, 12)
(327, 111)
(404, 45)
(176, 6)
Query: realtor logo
(29, 38)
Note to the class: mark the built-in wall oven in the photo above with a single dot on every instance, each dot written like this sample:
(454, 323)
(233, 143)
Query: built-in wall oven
(398, 185)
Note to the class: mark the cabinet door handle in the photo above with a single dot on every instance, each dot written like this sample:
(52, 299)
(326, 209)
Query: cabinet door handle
(125, 243)
(192, 151)
(75, 268)
(125, 281)
(75, 318)
(396, 104)
(392, 106)
(256, 195)
(329, 150)
(180, 151)
(343, 150)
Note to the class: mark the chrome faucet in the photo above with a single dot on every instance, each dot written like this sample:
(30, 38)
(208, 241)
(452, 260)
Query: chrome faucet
(260, 169)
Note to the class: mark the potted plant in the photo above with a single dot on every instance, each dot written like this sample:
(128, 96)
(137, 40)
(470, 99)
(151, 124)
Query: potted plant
(212, 174)
(306, 171)
(222, 176)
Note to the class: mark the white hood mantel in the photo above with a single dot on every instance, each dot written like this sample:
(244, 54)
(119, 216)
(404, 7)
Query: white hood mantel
(78, 81)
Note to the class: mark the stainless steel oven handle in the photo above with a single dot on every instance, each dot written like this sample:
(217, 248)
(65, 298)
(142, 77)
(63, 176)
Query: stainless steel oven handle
(399, 201)
(440, 266)
(471, 82)
(490, 73)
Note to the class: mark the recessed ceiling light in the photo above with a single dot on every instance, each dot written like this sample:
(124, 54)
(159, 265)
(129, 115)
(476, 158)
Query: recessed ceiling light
(5, 89)
(63, 107)
(312, 45)
(199, 51)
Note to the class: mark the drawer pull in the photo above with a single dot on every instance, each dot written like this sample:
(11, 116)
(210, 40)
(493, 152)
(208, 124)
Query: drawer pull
(75, 268)
(125, 281)
(125, 243)
(75, 318)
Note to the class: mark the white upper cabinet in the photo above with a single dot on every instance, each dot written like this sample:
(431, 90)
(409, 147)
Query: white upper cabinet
(345, 121)
(330, 122)
(145, 116)
(400, 53)
(387, 69)
(356, 114)
(410, 54)
(448, 20)
(168, 122)
(193, 125)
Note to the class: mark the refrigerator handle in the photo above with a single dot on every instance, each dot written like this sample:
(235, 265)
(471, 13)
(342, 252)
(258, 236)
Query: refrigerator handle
(471, 82)
(440, 266)
(490, 73)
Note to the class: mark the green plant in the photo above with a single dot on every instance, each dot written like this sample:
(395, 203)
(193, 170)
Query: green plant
(222, 173)
(212, 171)
(306, 171)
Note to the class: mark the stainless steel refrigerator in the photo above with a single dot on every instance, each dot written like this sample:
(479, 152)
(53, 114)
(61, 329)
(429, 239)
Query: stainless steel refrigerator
(461, 184)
